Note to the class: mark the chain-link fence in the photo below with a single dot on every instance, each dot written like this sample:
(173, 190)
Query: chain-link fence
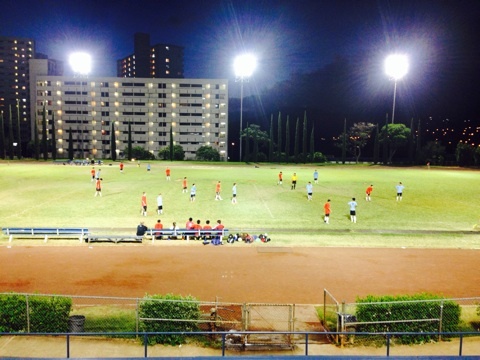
(115, 315)
(429, 316)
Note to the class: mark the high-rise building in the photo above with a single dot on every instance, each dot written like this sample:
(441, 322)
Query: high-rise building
(15, 54)
(87, 110)
(152, 61)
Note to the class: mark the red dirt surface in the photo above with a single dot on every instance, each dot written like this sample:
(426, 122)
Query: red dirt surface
(238, 274)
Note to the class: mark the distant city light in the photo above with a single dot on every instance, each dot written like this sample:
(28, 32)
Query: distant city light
(396, 66)
(81, 63)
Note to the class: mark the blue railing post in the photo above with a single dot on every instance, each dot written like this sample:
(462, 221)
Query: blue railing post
(461, 345)
(68, 346)
(306, 344)
(145, 341)
(223, 344)
(388, 344)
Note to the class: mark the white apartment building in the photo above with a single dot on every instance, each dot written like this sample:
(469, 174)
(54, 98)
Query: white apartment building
(196, 109)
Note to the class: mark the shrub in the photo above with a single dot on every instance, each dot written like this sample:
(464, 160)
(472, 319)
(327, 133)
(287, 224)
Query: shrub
(168, 307)
(207, 153)
(46, 314)
(389, 310)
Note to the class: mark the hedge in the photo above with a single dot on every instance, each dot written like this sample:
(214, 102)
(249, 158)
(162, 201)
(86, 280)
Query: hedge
(45, 314)
(168, 307)
(404, 309)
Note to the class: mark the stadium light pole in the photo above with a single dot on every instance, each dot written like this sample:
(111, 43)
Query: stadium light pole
(244, 66)
(81, 64)
(396, 67)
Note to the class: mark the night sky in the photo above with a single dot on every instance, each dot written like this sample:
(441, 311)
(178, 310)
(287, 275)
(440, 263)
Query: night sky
(296, 39)
(287, 36)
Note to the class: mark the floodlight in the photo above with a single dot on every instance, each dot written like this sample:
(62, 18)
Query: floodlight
(245, 65)
(81, 63)
(396, 66)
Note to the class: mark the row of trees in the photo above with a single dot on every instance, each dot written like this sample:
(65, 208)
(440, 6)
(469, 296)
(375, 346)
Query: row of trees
(10, 143)
(260, 146)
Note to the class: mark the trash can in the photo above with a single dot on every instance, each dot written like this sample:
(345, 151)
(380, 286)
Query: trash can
(76, 323)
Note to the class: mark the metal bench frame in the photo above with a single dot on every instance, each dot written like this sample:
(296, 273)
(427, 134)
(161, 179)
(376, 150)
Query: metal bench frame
(45, 232)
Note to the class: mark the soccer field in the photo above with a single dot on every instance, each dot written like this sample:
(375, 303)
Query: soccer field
(439, 199)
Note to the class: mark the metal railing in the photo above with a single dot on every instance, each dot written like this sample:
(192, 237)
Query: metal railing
(225, 345)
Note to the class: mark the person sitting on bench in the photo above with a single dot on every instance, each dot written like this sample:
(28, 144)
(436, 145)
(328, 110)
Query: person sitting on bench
(141, 229)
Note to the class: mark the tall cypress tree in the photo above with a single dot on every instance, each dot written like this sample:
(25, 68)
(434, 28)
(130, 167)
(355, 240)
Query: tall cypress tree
(312, 144)
(113, 145)
(19, 136)
(171, 143)
(44, 135)
(287, 140)
(305, 143)
(247, 144)
(70, 144)
(36, 142)
(279, 138)
(411, 144)
(419, 139)
(54, 139)
(10, 133)
(376, 146)
(385, 141)
(270, 144)
(344, 141)
(297, 134)
(2, 137)
(129, 144)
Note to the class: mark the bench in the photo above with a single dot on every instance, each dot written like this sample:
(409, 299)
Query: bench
(114, 238)
(45, 232)
(186, 233)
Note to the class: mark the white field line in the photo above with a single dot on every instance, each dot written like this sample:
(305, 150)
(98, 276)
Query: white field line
(263, 201)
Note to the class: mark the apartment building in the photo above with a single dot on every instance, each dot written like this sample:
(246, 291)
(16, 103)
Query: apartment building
(85, 108)
(152, 61)
(15, 54)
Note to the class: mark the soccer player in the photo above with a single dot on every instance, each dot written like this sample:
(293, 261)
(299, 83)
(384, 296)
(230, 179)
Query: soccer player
(399, 188)
(149, 167)
(280, 178)
(92, 172)
(234, 193)
(184, 185)
(158, 230)
(315, 177)
(143, 211)
(97, 175)
(368, 193)
(167, 173)
(294, 181)
(353, 213)
(206, 234)
(197, 227)
(218, 189)
(159, 204)
(309, 190)
(121, 167)
(193, 192)
(98, 187)
(326, 208)
(218, 238)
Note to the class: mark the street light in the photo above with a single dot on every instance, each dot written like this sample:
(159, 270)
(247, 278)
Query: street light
(244, 66)
(396, 66)
(81, 64)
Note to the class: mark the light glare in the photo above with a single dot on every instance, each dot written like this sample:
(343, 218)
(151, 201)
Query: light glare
(80, 63)
(244, 65)
(396, 66)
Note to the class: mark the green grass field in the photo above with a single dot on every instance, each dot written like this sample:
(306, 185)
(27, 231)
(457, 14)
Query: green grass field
(438, 205)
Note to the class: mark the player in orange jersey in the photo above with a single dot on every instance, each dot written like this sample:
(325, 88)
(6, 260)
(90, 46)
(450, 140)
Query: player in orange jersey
(144, 204)
(326, 208)
(184, 185)
(368, 192)
(218, 189)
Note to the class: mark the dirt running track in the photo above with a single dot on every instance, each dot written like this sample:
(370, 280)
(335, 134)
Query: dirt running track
(238, 274)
